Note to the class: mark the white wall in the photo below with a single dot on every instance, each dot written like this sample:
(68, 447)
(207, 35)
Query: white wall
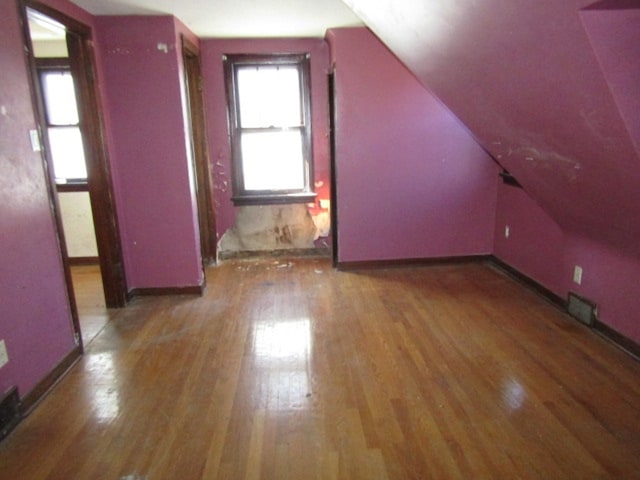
(77, 220)
(50, 48)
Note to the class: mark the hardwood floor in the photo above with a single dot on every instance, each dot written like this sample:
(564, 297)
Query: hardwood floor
(87, 286)
(291, 370)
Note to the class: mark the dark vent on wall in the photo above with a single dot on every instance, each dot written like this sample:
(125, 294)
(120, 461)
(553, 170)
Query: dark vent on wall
(582, 309)
(509, 179)
(9, 411)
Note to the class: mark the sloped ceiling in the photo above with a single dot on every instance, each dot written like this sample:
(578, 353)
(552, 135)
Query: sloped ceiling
(551, 88)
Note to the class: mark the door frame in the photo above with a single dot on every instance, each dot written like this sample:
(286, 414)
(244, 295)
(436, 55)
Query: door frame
(331, 82)
(83, 68)
(200, 150)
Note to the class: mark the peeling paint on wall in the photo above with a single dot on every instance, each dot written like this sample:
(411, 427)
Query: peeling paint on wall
(270, 227)
(550, 160)
(322, 222)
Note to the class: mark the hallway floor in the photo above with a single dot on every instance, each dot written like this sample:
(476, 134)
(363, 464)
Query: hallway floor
(87, 286)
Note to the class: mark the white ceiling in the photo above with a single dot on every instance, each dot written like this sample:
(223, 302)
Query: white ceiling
(238, 18)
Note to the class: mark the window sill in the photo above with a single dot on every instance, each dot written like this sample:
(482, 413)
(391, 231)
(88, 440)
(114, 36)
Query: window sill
(72, 187)
(280, 199)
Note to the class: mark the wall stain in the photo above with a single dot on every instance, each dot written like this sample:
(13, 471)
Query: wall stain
(283, 235)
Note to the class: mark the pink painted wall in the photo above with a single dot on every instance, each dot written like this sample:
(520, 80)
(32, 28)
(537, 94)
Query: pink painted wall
(540, 249)
(535, 245)
(411, 181)
(212, 51)
(149, 153)
(609, 278)
(35, 320)
(524, 78)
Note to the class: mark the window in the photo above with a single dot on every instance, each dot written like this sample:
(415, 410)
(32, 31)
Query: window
(270, 127)
(62, 122)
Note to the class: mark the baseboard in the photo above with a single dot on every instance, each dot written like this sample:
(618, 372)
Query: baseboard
(77, 261)
(624, 343)
(9, 412)
(289, 252)
(529, 282)
(31, 399)
(491, 259)
(161, 291)
(410, 262)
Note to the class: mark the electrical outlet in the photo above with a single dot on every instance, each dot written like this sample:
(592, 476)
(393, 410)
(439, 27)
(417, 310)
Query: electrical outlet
(4, 356)
(577, 275)
(507, 231)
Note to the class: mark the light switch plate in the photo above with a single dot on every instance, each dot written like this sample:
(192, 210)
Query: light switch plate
(35, 140)
(4, 356)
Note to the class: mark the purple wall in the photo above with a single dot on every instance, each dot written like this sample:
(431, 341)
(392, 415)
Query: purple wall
(525, 80)
(535, 243)
(149, 153)
(610, 279)
(212, 51)
(37, 334)
(411, 181)
(538, 248)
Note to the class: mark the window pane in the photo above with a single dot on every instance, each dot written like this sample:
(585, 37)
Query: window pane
(269, 96)
(60, 98)
(273, 161)
(67, 153)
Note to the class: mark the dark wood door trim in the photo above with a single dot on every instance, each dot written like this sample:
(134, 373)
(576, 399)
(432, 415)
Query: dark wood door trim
(98, 170)
(38, 106)
(82, 61)
(200, 150)
(334, 183)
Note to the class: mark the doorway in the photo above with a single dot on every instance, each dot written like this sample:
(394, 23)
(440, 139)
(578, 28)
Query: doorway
(199, 151)
(68, 112)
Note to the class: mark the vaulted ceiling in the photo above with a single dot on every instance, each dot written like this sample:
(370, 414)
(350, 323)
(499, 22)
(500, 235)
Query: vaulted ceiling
(551, 88)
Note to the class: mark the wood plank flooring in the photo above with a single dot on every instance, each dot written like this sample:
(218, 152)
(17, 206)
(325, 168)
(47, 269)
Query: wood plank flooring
(288, 369)
(89, 294)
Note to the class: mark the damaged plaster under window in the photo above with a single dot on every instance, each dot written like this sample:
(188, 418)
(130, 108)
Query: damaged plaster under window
(273, 227)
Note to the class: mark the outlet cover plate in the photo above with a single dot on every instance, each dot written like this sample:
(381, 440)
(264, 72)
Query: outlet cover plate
(577, 275)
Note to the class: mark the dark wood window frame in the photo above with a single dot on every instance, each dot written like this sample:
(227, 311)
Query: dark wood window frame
(241, 195)
(58, 64)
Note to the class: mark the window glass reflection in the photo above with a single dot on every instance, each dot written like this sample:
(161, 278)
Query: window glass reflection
(67, 153)
(513, 394)
(269, 96)
(59, 98)
(272, 161)
(282, 353)
(103, 387)
(290, 339)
